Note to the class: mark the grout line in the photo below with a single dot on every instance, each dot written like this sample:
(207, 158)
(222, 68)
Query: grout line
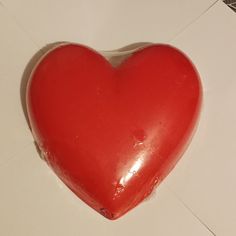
(194, 20)
(191, 211)
(198, 218)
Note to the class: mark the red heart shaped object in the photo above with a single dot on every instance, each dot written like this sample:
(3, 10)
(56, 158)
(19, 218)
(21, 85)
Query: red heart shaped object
(112, 134)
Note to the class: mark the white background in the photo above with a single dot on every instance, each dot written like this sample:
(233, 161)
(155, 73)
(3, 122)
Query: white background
(199, 196)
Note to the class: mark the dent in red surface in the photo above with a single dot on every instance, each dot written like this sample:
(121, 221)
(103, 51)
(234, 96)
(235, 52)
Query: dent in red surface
(112, 134)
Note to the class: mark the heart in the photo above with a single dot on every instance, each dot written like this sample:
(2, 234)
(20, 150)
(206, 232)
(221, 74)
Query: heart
(112, 134)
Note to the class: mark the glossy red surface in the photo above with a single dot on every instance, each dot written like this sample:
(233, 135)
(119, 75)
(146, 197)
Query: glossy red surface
(112, 134)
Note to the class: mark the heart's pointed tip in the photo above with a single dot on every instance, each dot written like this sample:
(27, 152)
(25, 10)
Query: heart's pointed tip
(110, 215)
(113, 211)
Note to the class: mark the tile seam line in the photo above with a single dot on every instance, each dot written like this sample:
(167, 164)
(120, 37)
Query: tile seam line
(190, 210)
(193, 21)
(170, 40)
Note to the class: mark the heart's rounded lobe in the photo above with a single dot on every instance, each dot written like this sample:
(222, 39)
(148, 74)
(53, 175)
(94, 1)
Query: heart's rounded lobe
(112, 134)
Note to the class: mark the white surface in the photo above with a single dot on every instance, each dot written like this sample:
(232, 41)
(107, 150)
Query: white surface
(199, 195)
(206, 178)
(15, 51)
(103, 24)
